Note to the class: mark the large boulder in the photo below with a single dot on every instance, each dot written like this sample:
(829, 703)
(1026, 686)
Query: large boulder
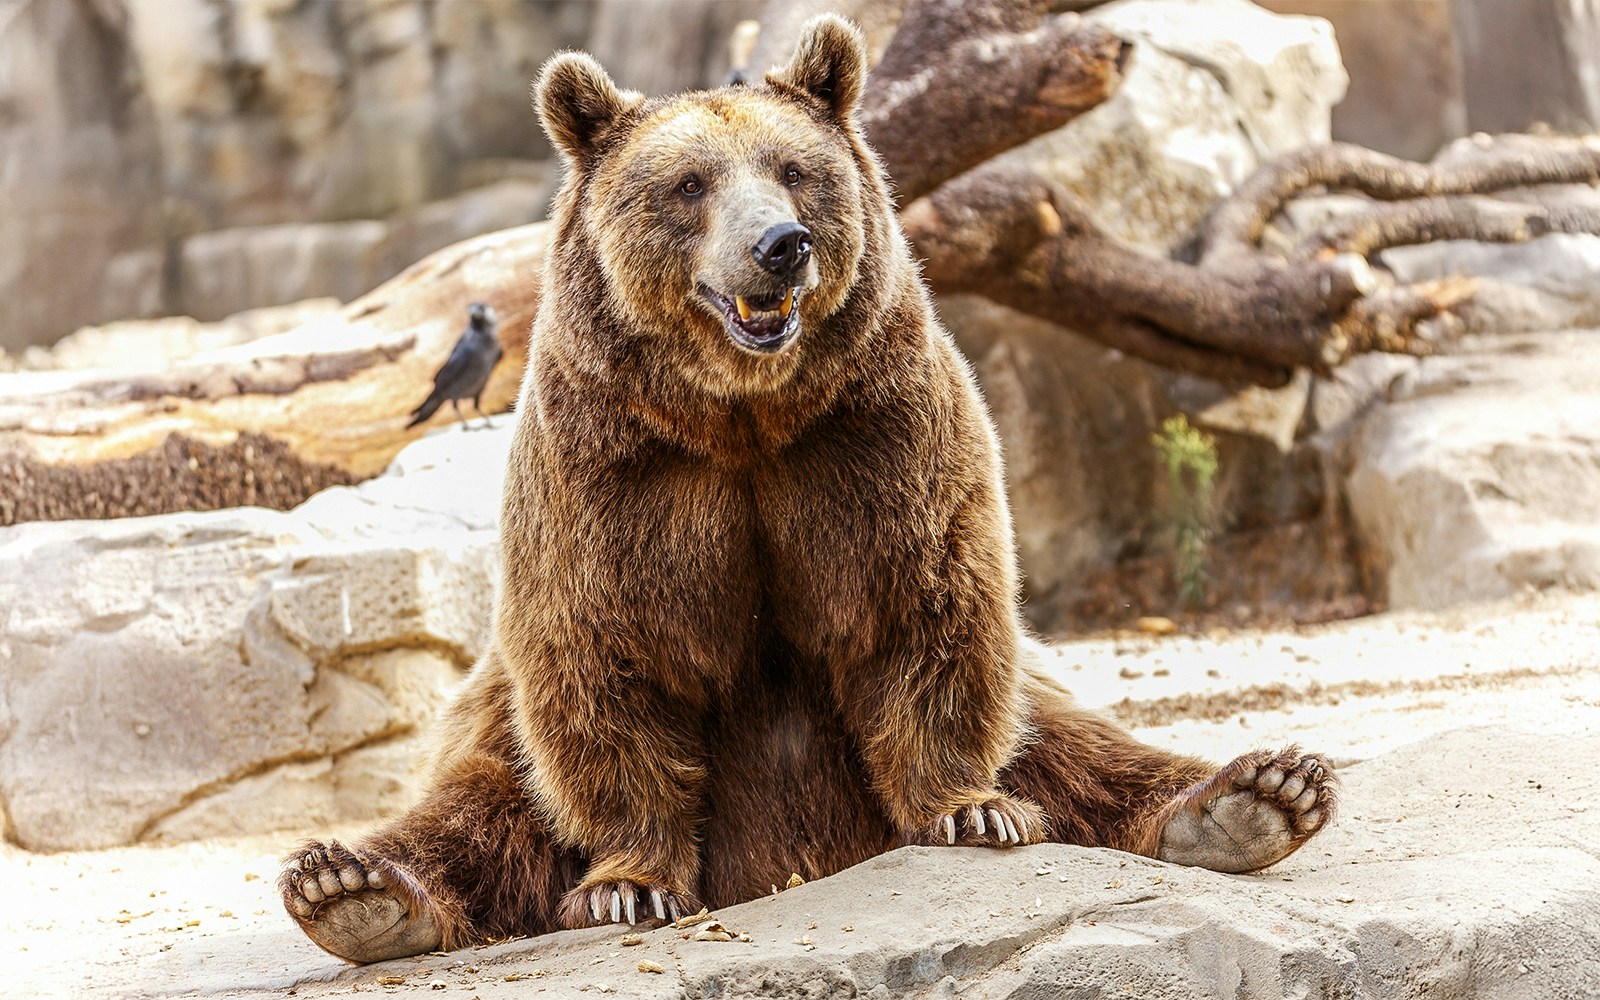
(194, 674)
(1478, 476)
(1406, 88)
(1377, 906)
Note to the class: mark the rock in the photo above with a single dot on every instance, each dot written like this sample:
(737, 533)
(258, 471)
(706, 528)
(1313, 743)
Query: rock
(1537, 61)
(1406, 93)
(1194, 114)
(665, 48)
(194, 674)
(227, 270)
(1549, 283)
(82, 184)
(1376, 904)
(1481, 476)
(1463, 866)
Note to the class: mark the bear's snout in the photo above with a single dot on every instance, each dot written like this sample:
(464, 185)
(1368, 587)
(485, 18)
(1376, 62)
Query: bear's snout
(783, 249)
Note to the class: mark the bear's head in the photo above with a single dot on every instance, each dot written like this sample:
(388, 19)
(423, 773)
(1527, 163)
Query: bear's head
(720, 230)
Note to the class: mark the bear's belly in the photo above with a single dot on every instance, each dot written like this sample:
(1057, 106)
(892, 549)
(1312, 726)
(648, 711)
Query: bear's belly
(787, 793)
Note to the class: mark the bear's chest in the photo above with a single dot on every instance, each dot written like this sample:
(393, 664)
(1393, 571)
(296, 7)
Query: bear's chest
(836, 547)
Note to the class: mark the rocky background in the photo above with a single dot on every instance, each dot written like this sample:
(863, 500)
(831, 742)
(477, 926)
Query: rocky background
(202, 157)
(165, 681)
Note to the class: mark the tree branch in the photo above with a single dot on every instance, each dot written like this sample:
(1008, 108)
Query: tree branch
(929, 117)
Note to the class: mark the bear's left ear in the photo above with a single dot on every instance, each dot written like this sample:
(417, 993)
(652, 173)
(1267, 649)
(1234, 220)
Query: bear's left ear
(829, 65)
(577, 102)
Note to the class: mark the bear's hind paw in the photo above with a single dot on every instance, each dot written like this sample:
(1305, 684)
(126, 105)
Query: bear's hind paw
(360, 909)
(1252, 813)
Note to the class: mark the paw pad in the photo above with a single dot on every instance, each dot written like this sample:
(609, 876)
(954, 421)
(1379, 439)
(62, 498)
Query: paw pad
(1252, 813)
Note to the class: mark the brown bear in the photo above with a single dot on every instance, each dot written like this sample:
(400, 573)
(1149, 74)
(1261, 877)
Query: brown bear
(759, 605)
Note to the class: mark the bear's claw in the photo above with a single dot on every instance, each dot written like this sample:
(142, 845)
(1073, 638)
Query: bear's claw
(619, 900)
(1252, 813)
(988, 821)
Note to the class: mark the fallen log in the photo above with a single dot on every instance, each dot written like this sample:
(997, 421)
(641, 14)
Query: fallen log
(270, 422)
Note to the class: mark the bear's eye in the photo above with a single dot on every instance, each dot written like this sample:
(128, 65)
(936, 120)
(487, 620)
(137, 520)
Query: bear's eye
(791, 175)
(690, 186)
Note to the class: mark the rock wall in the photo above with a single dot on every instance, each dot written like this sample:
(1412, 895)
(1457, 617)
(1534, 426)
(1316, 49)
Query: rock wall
(192, 675)
(81, 228)
(1424, 72)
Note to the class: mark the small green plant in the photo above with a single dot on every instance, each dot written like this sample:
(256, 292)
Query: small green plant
(1190, 458)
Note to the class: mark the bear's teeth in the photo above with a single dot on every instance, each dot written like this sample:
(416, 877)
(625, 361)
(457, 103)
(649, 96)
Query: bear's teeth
(742, 306)
(788, 303)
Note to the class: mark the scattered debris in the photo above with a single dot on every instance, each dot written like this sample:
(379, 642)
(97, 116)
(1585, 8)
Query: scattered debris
(1156, 625)
(692, 919)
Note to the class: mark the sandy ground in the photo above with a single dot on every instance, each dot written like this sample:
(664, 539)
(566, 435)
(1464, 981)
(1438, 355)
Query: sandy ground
(203, 919)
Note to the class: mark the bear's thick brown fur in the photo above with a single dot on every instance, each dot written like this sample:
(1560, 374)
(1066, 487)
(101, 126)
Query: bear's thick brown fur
(759, 606)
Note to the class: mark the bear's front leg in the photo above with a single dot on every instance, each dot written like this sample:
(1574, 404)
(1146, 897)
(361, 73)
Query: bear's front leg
(933, 739)
(620, 777)
(938, 710)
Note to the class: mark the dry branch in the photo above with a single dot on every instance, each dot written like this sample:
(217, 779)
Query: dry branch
(1004, 73)
(1241, 313)
(1025, 243)
(1236, 224)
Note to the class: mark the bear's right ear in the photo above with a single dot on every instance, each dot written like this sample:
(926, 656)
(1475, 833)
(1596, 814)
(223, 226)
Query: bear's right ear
(577, 102)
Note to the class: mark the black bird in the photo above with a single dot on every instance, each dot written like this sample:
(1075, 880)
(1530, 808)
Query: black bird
(466, 371)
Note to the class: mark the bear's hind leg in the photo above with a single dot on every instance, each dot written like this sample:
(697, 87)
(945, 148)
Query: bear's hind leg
(1100, 787)
(473, 861)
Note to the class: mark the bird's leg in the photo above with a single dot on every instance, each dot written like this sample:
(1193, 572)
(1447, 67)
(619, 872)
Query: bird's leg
(487, 423)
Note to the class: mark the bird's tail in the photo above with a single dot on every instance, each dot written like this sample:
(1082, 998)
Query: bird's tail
(427, 409)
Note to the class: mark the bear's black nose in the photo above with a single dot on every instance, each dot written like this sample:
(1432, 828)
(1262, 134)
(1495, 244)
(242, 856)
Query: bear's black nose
(783, 249)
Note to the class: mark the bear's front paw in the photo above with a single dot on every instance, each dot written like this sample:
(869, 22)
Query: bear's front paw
(362, 909)
(616, 900)
(1257, 810)
(988, 819)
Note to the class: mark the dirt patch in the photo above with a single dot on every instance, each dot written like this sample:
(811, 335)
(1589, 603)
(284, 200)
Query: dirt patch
(182, 474)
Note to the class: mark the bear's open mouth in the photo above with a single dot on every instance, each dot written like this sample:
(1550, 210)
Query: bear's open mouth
(764, 325)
